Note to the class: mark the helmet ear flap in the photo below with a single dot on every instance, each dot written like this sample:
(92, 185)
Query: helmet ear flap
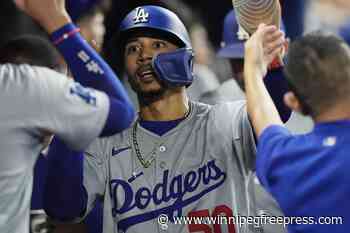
(175, 68)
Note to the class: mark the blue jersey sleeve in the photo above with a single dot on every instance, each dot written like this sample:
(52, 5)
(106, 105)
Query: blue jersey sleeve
(65, 198)
(94, 220)
(276, 84)
(271, 145)
(90, 70)
(39, 182)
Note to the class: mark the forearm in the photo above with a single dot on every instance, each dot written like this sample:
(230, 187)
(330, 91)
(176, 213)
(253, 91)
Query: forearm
(87, 67)
(261, 109)
(90, 70)
(277, 86)
(65, 197)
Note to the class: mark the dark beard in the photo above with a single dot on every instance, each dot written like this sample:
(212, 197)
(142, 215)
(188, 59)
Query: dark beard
(147, 98)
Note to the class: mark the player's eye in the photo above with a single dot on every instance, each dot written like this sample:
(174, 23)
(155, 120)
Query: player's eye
(132, 49)
(159, 44)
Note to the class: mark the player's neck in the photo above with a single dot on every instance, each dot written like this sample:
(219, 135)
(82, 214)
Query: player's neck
(172, 106)
(337, 112)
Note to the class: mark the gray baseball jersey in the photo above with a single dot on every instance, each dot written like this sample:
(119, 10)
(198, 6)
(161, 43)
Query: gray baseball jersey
(35, 102)
(203, 167)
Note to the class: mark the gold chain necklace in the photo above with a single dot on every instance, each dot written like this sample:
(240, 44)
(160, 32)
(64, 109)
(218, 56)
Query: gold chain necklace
(147, 163)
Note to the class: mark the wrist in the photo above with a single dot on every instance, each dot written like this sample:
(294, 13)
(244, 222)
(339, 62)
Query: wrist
(253, 69)
(63, 33)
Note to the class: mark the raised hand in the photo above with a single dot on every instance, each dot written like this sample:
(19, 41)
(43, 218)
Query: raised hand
(262, 48)
(51, 14)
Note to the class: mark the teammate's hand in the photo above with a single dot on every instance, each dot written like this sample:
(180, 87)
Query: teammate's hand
(51, 14)
(262, 48)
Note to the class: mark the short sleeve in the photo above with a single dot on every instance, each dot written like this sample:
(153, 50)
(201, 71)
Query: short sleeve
(270, 146)
(74, 113)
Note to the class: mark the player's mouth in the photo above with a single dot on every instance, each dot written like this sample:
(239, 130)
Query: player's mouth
(146, 74)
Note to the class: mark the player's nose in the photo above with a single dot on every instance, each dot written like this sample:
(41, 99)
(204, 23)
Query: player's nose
(146, 55)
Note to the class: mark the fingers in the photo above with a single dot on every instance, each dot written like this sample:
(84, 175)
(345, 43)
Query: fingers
(278, 44)
(271, 53)
(273, 36)
(264, 30)
(265, 45)
(273, 40)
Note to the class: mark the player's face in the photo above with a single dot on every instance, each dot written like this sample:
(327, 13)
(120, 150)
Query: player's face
(138, 55)
(237, 66)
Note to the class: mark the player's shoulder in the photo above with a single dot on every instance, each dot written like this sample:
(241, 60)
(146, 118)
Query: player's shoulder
(11, 74)
(23, 75)
(230, 106)
(23, 70)
(221, 111)
(228, 109)
(222, 117)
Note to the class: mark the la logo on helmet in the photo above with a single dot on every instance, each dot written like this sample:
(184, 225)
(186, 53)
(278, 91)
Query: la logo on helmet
(141, 16)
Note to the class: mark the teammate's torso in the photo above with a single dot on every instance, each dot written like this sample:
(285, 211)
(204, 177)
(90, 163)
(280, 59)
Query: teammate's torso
(20, 148)
(316, 168)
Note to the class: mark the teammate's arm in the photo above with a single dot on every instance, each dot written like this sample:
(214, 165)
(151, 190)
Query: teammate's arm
(87, 67)
(275, 82)
(277, 87)
(64, 198)
(260, 50)
(90, 70)
(84, 180)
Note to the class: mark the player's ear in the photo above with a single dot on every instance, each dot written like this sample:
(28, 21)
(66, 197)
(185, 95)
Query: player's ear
(292, 102)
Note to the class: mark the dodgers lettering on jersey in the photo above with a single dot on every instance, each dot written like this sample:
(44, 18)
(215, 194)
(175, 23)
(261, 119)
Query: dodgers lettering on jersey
(208, 176)
(203, 167)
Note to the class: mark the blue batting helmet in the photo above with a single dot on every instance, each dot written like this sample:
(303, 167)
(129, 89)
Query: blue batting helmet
(231, 45)
(158, 19)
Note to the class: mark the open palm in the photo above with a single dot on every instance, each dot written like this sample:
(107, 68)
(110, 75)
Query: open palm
(45, 12)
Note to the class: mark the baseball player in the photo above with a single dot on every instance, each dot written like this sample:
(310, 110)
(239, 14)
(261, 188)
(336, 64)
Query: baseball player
(37, 102)
(179, 158)
(38, 51)
(307, 174)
